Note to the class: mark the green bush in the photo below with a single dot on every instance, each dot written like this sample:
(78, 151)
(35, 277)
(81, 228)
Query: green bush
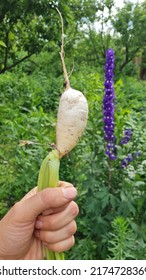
(28, 108)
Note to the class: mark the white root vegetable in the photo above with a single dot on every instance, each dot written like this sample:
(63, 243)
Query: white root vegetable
(71, 120)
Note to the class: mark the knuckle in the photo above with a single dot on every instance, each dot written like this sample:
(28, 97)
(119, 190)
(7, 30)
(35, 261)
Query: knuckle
(74, 209)
(55, 247)
(71, 228)
(52, 223)
(71, 242)
(59, 247)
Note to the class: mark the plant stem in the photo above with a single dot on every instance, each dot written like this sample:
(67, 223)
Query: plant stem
(50, 255)
(62, 54)
(110, 173)
(49, 177)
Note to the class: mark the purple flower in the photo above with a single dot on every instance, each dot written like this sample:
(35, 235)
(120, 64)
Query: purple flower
(126, 161)
(127, 135)
(130, 157)
(136, 154)
(108, 106)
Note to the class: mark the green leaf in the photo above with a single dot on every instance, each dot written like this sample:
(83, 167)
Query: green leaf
(2, 44)
(139, 183)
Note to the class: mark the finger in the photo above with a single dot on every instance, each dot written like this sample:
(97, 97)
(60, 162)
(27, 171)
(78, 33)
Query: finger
(48, 198)
(58, 220)
(53, 210)
(56, 236)
(62, 245)
(32, 192)
(64, 184)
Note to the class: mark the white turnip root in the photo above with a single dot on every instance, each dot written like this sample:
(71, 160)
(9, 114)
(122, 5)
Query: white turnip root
(71, 120)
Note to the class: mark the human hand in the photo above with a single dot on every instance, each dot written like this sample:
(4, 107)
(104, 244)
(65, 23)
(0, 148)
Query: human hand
(40, 219)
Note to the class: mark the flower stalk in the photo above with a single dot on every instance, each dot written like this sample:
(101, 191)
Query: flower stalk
(108, 106)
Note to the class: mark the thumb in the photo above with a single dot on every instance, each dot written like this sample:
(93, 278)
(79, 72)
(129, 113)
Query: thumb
(31, 207)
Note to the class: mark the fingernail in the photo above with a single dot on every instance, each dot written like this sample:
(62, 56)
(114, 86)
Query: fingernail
(38, 224)
(69, 193)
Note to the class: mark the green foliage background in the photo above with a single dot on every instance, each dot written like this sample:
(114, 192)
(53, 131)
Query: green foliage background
(112, 220)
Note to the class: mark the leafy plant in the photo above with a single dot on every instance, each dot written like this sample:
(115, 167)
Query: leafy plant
(121, 243)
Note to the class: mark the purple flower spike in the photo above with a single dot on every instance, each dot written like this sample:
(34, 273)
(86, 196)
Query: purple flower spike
(108, 105)
(127, 136)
